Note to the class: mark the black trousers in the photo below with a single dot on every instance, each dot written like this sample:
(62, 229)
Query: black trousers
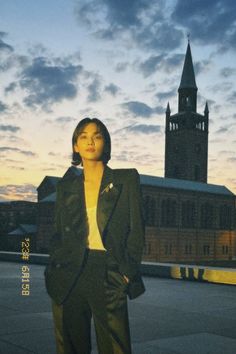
(100, 292)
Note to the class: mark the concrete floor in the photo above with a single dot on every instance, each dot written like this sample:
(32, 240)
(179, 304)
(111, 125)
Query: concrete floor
(172, 317)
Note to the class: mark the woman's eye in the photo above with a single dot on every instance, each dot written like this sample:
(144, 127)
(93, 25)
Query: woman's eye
(82, 137)
(98, 136)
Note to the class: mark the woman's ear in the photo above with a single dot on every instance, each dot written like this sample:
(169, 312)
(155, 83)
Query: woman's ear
(76, 149)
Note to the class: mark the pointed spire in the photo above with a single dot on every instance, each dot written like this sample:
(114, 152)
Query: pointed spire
(188, 76)
(168, 108)
(206, 110)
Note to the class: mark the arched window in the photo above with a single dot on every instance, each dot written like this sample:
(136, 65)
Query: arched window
(150, 211)
(168, 213)
(188, 214)
(207, 216)
(225, 217)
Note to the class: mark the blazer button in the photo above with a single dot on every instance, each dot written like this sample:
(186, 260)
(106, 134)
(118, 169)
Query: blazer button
(58, 265)
(67, 228)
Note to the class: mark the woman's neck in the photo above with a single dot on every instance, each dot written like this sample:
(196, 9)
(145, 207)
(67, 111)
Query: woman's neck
(93, 170)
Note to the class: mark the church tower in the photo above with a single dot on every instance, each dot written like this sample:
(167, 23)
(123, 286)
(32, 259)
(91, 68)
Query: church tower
(186, 140)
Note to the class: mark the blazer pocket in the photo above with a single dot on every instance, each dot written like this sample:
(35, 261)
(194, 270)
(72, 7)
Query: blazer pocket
(115, 279)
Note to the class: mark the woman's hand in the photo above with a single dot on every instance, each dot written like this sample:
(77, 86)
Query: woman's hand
(126, 278)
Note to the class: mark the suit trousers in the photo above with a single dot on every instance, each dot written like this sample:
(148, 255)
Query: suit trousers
(100, 292)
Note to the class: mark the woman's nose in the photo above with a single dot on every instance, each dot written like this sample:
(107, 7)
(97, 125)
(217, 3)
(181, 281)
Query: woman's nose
(90, 141)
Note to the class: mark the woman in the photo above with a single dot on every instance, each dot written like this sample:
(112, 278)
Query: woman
(96, 248)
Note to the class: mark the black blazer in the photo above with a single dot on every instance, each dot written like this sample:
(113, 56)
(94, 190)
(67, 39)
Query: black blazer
(120, 221)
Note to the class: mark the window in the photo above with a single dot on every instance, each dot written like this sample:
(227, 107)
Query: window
(188, 248)
(168, 213)
(168, 249)
(225, 217)
(206, 250)
(150, 211)
(225, 249)
(207, 216)
(188, 214)
(147, 248)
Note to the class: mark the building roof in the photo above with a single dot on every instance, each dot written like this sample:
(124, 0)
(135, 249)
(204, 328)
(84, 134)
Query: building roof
(188, 76)
(49, 198)
(52, 180)
(164, 182)
(24, 229)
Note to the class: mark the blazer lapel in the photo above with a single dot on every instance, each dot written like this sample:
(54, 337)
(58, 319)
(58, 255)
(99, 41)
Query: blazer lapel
(108, 194)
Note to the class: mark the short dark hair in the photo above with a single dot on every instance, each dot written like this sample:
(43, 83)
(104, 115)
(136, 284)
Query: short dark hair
(76, 158)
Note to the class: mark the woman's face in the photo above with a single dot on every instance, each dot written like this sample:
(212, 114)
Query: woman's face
(90, 143)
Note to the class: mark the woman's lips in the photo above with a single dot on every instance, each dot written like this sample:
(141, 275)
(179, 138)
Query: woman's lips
(90, 150)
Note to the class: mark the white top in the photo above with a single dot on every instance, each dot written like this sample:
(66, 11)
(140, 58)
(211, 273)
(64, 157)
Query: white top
(94, 237)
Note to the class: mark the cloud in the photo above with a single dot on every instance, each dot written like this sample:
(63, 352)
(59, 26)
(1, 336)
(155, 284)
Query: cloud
(208, 22)
(137, 22)
(24, 152)
(11, 87)
(65, 119)
(11, 192)
(141, 109)
(48, 83)
(232, 97)
(3, 107)
(120, 67)
(166, 95)
(143, 128)
(112, 89)
(10, 128)
(164, 62)
(94, 89)
(3, 45)
(222, 130)
(227, 72)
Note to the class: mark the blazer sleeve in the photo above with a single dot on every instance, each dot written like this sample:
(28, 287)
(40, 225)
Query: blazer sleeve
(55, 239)
(136, 236)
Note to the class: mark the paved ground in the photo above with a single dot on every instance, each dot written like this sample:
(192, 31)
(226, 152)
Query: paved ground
(172, 317)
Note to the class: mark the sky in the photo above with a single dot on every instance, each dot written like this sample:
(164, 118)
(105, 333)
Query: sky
(120, 61)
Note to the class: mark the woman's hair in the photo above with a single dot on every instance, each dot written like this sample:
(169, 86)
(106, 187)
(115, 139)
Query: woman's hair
(106, 155)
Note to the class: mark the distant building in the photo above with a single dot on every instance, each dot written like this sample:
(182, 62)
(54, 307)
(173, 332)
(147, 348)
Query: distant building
(12, 215)
(47, 186)
(17, 237)
(188, 221)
